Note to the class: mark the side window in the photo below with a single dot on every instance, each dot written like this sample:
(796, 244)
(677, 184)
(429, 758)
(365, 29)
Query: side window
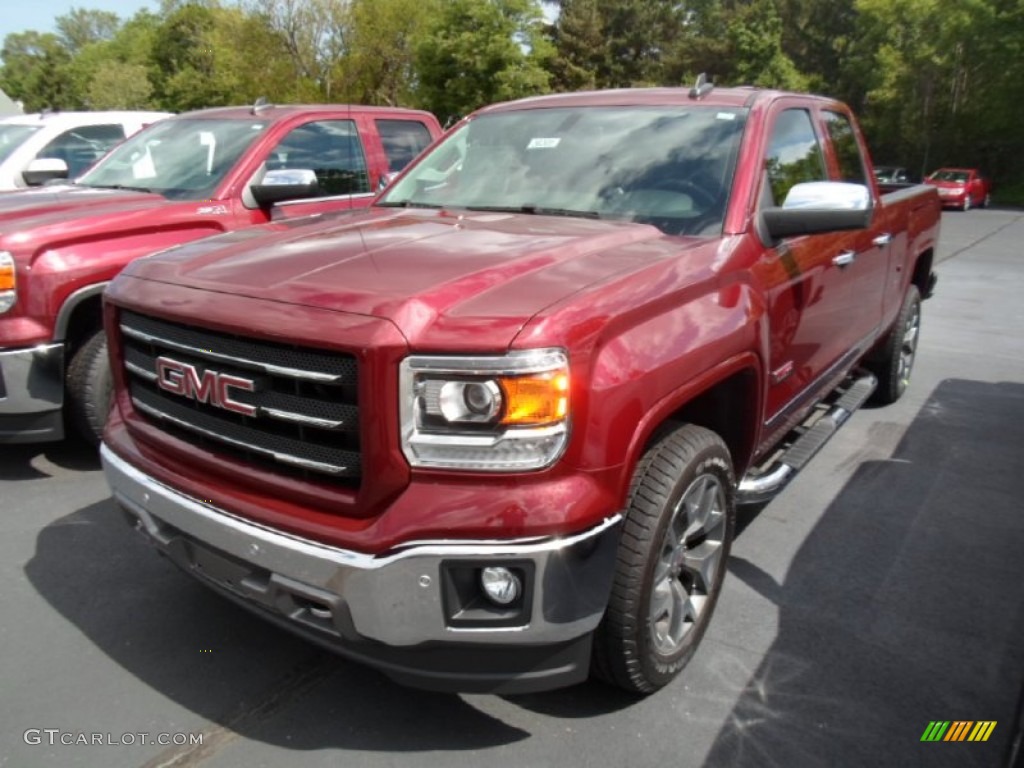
(844, 141)
(83, 146)
(329, 148)
(794, 155)
(402, 140)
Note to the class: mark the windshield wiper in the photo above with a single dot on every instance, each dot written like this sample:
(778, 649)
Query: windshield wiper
(116, 186)
(409, 204)
(536, 210)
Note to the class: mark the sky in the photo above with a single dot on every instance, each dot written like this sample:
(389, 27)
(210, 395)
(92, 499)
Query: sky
(23, 15)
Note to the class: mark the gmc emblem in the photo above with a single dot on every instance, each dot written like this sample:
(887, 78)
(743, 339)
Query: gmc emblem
(206, 387)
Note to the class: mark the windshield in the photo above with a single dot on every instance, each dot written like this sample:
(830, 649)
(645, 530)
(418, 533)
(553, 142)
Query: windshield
(671, 167)
(960, 176)
(181, 159)
(13, 136)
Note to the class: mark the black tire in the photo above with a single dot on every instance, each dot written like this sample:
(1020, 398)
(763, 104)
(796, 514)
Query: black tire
(646, 636)
(894, 361)
(89, 388)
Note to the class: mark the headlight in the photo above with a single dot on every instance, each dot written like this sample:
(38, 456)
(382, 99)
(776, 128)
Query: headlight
(8, 282)
(498, 414)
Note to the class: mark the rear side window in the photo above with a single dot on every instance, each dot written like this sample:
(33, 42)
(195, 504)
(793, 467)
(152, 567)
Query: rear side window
(402, 140)
(329, 148)
(794, 155)
(844, 142)
(81, 147)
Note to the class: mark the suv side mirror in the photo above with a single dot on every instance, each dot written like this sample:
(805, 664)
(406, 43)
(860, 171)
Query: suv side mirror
(814, 207)
(44, 169)
(285, 184)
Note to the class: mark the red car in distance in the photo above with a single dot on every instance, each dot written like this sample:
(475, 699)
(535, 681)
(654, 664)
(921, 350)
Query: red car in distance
(962, 188)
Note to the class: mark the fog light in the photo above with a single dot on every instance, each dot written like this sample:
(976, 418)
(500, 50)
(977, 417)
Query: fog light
(500, 585)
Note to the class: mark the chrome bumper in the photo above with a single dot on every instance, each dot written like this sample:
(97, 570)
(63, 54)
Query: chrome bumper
(31, 394)
(344, 596)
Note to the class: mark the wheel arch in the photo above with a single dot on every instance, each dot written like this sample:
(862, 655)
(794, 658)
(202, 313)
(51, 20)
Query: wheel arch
(922, 274)
(80, 315)
(725, 400)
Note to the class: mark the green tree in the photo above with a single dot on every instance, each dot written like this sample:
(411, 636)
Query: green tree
(616, 43)
(116, 85)
(379, 65)
(580, 46)
(80, 27)
(35, 71)
(313, 33)
(479, 52)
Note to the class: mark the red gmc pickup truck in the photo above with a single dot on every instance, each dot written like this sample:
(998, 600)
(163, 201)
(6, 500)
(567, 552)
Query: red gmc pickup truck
(184, 178)
(491, 433)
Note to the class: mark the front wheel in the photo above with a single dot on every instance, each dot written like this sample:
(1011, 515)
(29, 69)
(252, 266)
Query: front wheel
(90, 388)
(896, 355)
(967, 202)
(671, 561)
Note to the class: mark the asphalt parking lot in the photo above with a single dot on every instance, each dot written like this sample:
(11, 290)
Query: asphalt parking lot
(882, 590)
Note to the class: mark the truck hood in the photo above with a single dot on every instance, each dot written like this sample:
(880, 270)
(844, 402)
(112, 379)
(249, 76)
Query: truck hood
(66, 207)
(448, 280)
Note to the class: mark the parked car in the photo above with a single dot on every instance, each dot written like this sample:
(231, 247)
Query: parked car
(184, 178)
(894, 174)
(62, 145)
(962, 188)
(497, 425)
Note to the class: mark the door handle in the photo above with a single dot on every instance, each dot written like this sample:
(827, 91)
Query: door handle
(883, 239)
(844, 259)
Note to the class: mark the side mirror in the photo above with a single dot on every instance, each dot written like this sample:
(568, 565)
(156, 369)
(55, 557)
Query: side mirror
(385, 180)
(819, 206)
(287, 184)
(44, 169)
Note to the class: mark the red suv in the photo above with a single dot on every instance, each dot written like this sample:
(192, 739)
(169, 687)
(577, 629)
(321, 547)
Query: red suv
(961, 188)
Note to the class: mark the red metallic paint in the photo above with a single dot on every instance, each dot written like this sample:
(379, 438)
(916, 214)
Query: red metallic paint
(649, 323)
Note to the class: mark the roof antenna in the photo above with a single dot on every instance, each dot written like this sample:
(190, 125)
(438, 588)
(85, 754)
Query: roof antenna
(260, 105)
(702, 87)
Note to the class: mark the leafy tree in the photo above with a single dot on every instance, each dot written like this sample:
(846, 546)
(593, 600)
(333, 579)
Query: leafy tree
(314, 34)
(481, 51)
(36, 71)
(116, 85)
(379, 66)
(80, 27)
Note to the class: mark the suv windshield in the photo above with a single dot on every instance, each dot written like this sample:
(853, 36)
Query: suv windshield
(671, 167)
(13, 136)
(181, 159)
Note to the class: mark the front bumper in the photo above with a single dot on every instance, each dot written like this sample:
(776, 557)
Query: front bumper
(394, 611)
(32, 394)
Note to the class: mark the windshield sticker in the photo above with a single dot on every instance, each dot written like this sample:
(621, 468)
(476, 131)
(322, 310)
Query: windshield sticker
(543, 143)
(725, 116)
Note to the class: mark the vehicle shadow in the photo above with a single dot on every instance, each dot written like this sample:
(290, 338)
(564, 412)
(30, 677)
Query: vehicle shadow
(231, 668)
(904, 605)
(29, 462)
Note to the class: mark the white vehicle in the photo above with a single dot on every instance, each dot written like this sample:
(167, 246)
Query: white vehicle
(56, 145)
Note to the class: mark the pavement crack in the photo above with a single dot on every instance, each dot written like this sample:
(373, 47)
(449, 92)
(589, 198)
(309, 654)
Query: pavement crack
(287, 689)
(983, 238)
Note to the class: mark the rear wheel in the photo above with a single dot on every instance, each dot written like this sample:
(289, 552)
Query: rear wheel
(671, 560)
(90, 388)
(895, 360)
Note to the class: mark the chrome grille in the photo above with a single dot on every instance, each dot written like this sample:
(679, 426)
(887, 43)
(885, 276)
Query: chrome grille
(302, 414)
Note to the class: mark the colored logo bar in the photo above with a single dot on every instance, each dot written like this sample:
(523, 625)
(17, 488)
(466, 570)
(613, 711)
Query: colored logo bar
(958, 730)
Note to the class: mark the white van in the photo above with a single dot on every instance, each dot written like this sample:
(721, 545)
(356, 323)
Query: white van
(54, 145)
